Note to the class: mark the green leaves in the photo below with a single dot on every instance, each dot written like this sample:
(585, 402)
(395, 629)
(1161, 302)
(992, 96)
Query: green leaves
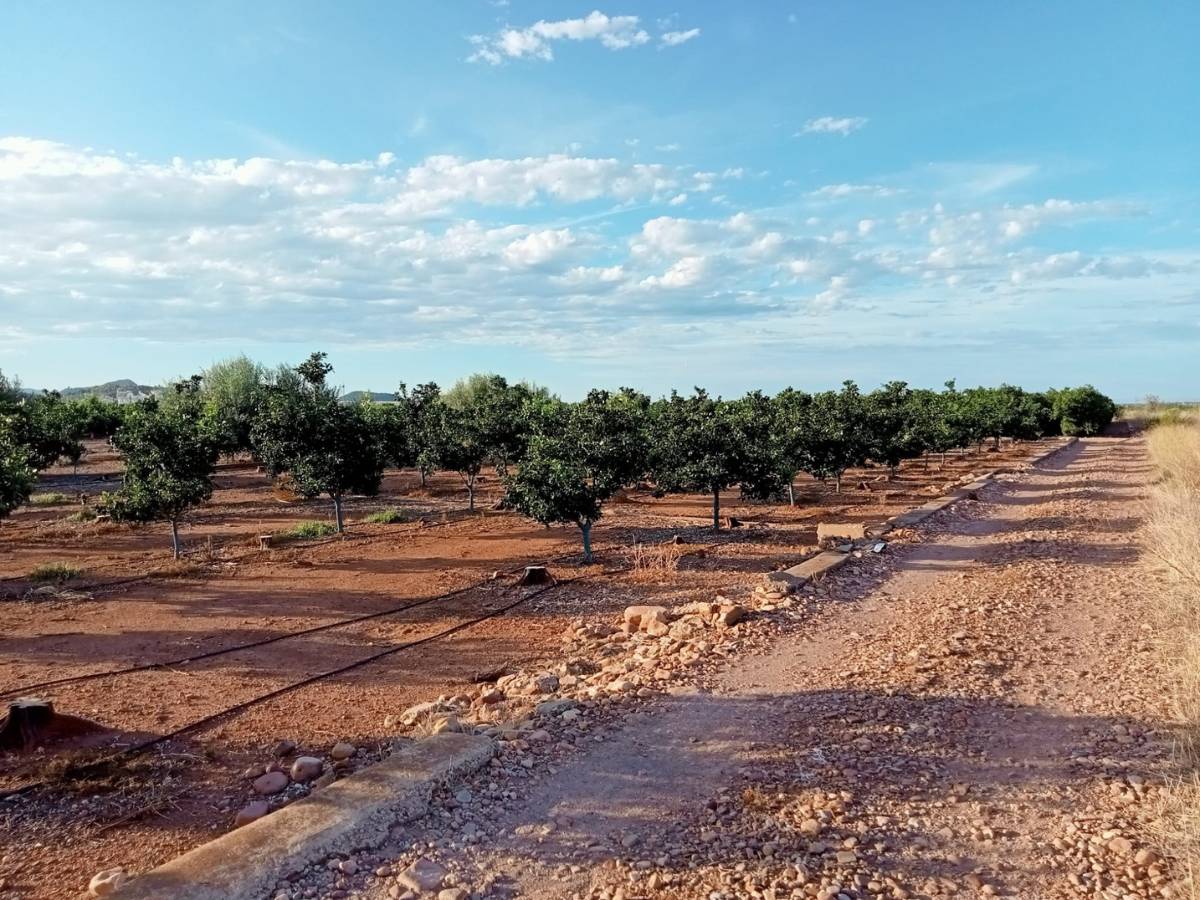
(1082, 410)
(170, 454)
(17, 474)
(578, 457)
(325, 446)
(701, 443)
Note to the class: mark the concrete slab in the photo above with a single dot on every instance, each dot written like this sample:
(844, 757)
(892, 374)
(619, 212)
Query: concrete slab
(349, 815)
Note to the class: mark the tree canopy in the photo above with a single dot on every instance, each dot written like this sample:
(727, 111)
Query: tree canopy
(170, 455)
(323, 445)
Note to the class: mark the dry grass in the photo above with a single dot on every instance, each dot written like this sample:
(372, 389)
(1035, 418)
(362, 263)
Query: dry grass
(55, 571)
(1174, 539)
(656, 562)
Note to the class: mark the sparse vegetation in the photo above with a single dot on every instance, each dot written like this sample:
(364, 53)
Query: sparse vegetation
(1174, 540)
(655, 562)
(47, 499)
(308, 531)
(389, 516)
(86, 514)
(57, 572)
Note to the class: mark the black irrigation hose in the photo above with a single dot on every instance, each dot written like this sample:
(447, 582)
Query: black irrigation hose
(316, 629)
(183, 661)
(138, 749)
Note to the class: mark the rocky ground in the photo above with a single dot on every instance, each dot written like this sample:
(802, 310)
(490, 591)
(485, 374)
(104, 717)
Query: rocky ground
(977, 711)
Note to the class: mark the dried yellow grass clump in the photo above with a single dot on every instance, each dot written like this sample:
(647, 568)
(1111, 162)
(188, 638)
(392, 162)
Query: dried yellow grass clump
(656, 562)
(1173, 534)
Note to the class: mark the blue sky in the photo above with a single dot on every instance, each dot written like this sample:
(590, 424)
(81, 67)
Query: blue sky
(655, 194)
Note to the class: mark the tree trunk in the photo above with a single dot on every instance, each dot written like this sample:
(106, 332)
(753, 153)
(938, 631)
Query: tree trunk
(175, 538)
(422, 472)
(586, 528)
(996, 442)
(337, 512)
(791, 493)
(837, 483)
(716, 509)
(471, 493)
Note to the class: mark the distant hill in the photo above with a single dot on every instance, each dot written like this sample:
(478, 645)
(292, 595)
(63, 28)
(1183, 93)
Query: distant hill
(377, 396)
(123, 390)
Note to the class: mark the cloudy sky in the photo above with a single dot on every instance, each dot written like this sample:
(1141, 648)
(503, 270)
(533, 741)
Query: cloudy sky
(657, 194)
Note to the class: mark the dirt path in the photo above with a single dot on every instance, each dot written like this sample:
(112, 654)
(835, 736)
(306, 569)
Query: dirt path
(987, 718)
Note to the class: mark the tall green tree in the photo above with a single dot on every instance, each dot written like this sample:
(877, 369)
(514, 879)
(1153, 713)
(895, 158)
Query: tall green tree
(837, 434)
(461, 444)
(323, 445)
(580, 456)
(232, 391)
(893, 426)
(423, 411)
(702, 443)
(791, 435)
(1082, 410)
(498, 414)
(17, 473)
(170, 455)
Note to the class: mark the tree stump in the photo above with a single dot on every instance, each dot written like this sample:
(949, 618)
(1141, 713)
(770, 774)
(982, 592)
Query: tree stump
(27, 717)
(264, 542)
(32, 722)
(535, 575)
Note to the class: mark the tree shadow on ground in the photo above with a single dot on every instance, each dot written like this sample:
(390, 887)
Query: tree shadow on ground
(888, 750)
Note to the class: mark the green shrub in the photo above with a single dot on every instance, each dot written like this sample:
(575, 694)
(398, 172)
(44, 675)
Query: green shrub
(389, 516)
(87, 514)
(47, 499)
(57, 571)
(308, 530)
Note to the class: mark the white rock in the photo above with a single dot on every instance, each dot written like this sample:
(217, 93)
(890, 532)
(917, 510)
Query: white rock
(306, 768)
(107, 882)
(271, 783)
(422, 875)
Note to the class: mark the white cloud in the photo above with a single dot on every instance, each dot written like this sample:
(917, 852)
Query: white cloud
(675, 38)
(836, 191)
(499, 250)
(539, 247)
(684, 273)
(833, 125)
(534, 42)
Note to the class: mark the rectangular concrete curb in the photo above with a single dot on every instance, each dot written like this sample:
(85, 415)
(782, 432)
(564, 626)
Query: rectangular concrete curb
(818, 565)
(814, 567)
(351, 814)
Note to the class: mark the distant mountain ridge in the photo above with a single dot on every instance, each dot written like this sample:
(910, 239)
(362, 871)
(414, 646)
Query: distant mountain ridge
(123, 390)
(377, 396)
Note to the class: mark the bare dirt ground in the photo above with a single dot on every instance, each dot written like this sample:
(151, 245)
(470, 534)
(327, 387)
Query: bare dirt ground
(133, 606)
(983, 713)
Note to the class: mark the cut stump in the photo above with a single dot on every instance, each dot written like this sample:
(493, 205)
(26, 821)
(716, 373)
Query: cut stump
(535, 575)
(32, 722)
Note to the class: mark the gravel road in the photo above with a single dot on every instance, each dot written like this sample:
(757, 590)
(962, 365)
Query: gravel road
(982, 713)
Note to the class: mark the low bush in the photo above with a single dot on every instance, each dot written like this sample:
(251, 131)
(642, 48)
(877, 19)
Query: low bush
(86, 514)
(47, 499)
(308, 530)
(389, 516)
(57, 571)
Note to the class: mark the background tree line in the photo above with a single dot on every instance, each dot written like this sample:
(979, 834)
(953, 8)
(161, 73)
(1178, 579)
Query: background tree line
(559, 461)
